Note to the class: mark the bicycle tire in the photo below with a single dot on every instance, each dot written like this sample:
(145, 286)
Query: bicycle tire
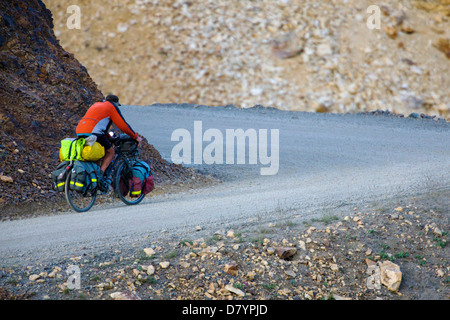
(125, 198)
(71, 195)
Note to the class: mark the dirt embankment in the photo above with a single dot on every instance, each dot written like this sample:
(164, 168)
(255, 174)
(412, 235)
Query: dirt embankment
(44, 92)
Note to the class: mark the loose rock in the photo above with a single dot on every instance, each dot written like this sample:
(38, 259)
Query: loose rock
(391, 276)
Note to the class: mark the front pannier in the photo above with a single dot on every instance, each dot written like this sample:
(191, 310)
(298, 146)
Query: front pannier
(141, 177)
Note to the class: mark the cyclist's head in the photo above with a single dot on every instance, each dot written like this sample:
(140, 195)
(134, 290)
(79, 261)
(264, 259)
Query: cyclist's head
(113, 98)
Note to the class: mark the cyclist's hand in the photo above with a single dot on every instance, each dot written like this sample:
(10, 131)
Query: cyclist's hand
(139, 140)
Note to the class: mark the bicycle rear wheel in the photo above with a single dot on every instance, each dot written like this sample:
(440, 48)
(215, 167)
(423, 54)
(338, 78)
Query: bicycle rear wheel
(78, 201)
(122, 172)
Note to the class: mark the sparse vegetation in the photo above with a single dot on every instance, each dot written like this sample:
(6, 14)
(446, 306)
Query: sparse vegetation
(401, 255)
(213, 240)
(326, 220)
(270, 286)
(186, 243)
(171, 254)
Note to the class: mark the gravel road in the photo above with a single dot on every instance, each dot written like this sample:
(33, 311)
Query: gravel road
(326, 161)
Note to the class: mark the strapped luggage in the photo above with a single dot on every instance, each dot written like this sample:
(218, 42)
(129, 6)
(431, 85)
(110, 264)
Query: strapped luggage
(93, 153)
(59, 176)
(84, 176)
(81, 149)
(142, 180)
(124, 186)
(149, 185)
(71, 149)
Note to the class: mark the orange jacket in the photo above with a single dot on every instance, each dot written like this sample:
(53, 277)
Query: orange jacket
(99, 117)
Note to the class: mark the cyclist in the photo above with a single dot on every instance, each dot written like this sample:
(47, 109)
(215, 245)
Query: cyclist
(97, 121)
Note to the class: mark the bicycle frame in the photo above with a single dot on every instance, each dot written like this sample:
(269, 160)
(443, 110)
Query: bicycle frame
(113, 165)
(119, 157)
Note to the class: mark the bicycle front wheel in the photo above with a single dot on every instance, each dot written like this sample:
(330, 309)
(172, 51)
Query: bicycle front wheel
(78, 201)
(123, 173)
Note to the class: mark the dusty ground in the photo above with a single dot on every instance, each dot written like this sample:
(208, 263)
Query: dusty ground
(330, 260)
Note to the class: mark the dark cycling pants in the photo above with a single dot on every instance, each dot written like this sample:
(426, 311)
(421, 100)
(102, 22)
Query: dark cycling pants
(103, 140)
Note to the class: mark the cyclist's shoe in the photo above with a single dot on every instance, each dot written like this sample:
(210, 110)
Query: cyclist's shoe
(104, 184)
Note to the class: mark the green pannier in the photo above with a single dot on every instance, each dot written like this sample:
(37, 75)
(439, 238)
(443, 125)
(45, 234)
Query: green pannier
(59, 176)
(84, 176)
(71, 149)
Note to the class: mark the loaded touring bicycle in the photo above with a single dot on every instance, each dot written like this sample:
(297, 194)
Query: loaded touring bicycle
(78, 176)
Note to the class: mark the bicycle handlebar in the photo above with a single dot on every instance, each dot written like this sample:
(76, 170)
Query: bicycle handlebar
(116, 137)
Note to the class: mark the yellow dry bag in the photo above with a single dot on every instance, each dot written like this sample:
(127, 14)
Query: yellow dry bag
(93, 153)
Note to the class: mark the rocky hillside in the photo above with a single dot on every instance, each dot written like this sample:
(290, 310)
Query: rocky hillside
(44, 92)
(291, 54)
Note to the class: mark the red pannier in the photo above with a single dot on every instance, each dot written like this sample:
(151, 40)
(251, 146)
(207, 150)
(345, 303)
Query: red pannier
(142, 180)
